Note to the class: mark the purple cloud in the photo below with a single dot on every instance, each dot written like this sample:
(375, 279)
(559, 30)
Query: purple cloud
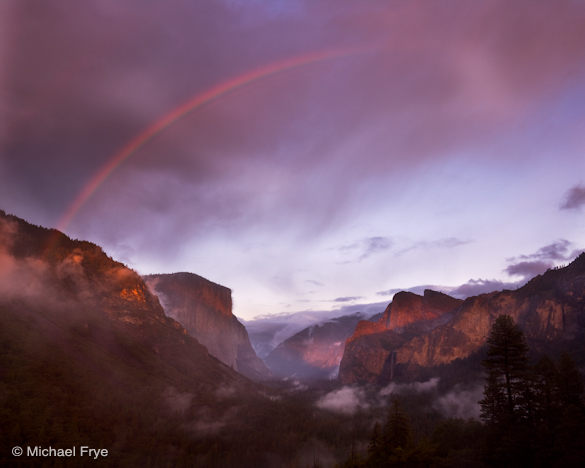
(481, 286)
(366, 247)
(528, 269)
(574, 198)
(445, 243)
(347, 299)
(528, 266)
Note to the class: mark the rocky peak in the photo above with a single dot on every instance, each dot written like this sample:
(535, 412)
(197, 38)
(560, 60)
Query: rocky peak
(549, 309)
(204, 308)
(184, 289)
(408, 308)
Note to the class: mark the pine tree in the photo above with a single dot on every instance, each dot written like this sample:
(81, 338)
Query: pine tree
(570, 381)
(494, 401)
(546, 389)
(376, 440)
(507, 366)
(397, 433)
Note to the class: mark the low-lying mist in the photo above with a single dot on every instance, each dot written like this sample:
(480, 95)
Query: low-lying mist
(460, 401)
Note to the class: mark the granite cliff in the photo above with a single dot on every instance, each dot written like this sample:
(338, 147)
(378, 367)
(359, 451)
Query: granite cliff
(550, 309)
(368, 355)
(89, 356)
(204, 308)
(314, 352)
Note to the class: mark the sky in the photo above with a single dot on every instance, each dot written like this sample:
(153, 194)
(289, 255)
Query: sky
(315, 153)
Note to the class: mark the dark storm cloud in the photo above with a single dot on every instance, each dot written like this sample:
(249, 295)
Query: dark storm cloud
(81, 79)
(574, 198)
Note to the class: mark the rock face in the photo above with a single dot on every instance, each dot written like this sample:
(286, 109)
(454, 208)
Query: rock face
(88, 354)
(368, 355)
(550, 309)
(87, 345)
(204, 308)
(407, 309)
(315, 352)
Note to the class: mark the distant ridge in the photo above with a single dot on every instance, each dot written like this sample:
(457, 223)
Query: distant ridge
(550, 309)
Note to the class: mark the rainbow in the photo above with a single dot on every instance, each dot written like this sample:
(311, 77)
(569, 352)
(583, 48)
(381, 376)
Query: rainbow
(132, 146)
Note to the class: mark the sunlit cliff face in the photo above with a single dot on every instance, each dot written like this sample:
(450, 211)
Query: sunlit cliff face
(133, 294)
(407, 309)
(325, 356)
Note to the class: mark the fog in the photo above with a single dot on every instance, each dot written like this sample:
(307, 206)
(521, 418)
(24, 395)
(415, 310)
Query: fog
(458, 402)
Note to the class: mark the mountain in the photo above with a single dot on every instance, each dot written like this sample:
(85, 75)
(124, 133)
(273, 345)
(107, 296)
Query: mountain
(368, 351)
(88, 356)
(314, 352)
(267, 332)
(204, 308)
(550, 309)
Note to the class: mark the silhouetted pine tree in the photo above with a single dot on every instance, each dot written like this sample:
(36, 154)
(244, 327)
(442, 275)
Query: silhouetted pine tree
(375, 440)
(508, 397)
(570, 431)
(507, 367)
(493, 405)
(397, 433)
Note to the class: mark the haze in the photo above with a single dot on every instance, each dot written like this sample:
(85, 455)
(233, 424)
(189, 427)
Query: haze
(442, 145)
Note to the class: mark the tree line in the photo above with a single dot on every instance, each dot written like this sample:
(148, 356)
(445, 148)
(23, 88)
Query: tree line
(532, 415)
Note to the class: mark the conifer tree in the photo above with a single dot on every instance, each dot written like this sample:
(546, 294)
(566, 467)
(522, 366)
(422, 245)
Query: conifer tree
(507, 366)
(375, 440)
(397, 433)
(493, 403)
(571, 387)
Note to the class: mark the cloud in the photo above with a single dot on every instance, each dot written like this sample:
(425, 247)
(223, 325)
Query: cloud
(413, 387)
(366, 247)
(525, 266)
(528, 269)
(555, 251)
(267, 332)
(347, 299)
(475, 287)
(68, 84)
(574, 198)
(528, 266)
(460, 402)
(346, 400)
(288, 159)
(374, 245)
(444, 243)
(177, 401)
(314, 283)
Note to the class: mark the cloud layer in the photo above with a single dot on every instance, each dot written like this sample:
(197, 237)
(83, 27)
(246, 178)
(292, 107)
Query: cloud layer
(411, 141)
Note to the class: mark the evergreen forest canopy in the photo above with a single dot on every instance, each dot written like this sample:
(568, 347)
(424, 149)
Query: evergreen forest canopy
(533, 414)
